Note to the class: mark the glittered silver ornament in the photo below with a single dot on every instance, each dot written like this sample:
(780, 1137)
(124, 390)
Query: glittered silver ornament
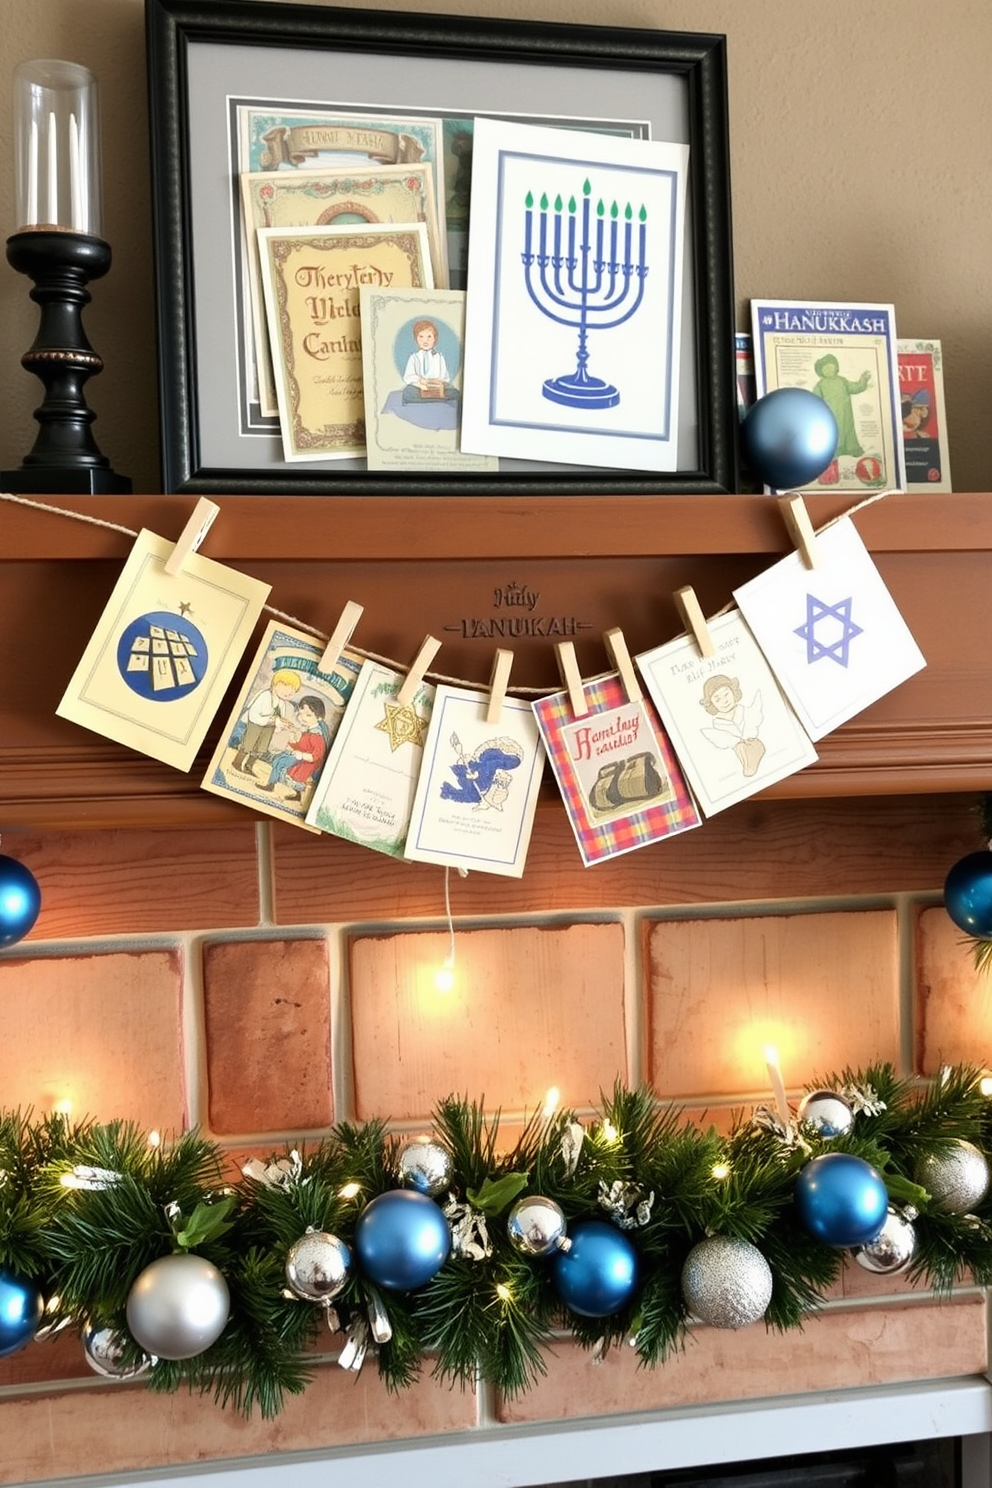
(424, 1165)
(726, 1282)
(317, 1266)
(830, 1112)
(893, 1249)
(104, 1350)
(956, 1179)
(536, 1226)
(178, 1306)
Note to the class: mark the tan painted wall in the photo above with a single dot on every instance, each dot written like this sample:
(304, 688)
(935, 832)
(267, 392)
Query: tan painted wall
(862, 160)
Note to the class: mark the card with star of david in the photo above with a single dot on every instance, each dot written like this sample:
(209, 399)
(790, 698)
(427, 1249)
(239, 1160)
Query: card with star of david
(832, 634)
(365, 793)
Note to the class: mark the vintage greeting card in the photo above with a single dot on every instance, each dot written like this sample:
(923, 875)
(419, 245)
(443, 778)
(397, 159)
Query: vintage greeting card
(274, 745)
(846, 355)
(365, 793)
(616, 770)
(327, 198)
(311, 280)
(573, 325)
(156, 668)
(732, 728)
(477, 793)
(412, 355)
(832, 633)
(924, 422)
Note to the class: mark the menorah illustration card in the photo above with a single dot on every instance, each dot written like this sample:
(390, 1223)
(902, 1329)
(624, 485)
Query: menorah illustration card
(412, 356)
(617, 772)
(573, 322)
(312, 279)
(272, 749)
(366, 789)
(730, 724)
(477, 792)
(832, 633)
(164, 651)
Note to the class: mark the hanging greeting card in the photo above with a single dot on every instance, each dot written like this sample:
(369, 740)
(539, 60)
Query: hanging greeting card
(163, 653)
(273, 747)
(617, 772)
(477, 793)
(732, 728)
(831, 633)
(366, 789)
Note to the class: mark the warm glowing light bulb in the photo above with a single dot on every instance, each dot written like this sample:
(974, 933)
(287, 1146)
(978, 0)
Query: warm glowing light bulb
(62, 1107)
(720, 1170)
(154, 1139)
(985, 1085)
(444, 977)
(551, 1101)
(349, 1191)
(503, 1292)
(609, 1130)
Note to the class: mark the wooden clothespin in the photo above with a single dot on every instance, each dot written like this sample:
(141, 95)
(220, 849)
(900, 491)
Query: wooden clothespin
(568, 667)
(793, 509)
(428, 650)
(500, 676)
(341, 635)
(694, 620)
(192, 535)
(616, 647)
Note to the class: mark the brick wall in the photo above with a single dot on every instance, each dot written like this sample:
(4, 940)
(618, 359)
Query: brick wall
(264, 983)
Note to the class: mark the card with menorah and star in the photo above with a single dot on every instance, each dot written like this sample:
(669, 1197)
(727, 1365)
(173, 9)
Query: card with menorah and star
(832, 633)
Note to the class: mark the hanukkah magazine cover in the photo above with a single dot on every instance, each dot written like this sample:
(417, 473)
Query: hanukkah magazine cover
(846, 355)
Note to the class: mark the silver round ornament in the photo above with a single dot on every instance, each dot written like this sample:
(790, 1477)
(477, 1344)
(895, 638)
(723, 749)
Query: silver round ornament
(424, 1165)
(830, 1113)
(178, 1306)
(893, 1248)
(726, 1282)
(957, 1179)
(103, 1351)
(536, 1226)
(317, 1266)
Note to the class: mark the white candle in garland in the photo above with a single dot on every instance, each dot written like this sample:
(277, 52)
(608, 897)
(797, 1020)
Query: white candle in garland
(777, 1084)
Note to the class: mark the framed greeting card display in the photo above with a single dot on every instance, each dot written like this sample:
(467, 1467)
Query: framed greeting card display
(238, 88)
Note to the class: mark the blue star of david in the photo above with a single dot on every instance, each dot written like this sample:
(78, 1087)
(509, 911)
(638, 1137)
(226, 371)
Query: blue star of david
(819, 632)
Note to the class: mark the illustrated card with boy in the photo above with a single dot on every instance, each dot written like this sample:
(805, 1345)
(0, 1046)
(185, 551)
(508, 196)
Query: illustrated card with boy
(274, 745)
(412, 355)
(365, 793)
(326, 198)
(924, 422)
(311, 280)
(155, 670)
(832, 634)
(846, 355)
(731, 726)
(617, 772)
(477, 792)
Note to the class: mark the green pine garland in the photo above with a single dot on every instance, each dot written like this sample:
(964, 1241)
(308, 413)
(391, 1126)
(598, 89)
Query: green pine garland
(640, 1163)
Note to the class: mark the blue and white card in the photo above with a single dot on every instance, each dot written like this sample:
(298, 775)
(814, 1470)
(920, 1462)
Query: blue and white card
(832, 634)
(573, 321)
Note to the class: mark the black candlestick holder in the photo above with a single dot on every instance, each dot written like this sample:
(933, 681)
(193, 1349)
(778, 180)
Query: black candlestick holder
(65, 459)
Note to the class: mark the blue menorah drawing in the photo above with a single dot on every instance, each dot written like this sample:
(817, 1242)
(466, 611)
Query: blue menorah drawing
(584, 286)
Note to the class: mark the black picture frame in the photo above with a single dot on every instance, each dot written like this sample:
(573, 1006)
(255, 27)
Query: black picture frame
(190, 44)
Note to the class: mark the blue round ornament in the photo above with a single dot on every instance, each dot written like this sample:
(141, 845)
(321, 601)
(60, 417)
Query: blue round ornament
(968, 894)
(841, 1200)
(402, 1239)
(789, 438)
(20, 900)
(21, 1307)
(597, 1274)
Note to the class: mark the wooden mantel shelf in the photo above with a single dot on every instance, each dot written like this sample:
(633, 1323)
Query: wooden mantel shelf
(446, 566)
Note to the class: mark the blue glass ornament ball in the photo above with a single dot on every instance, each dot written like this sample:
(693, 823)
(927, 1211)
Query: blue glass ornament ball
(20, 900)
(841, 1200)
(597, 1274)
(402, 1239)
(789, 438)
(968, 894)
(21, 1307)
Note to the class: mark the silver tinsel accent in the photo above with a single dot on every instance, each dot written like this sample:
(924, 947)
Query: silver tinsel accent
(425, 1165)
(863, 1099)
(726, 1282)
(571, 1146)
(893, 1248)
(828, 1111)
(626, 1203)
(789, 1136)
(352, 1356)
(285, 1172)
(469, 1235)
(92, 1179)
(957, 1179)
